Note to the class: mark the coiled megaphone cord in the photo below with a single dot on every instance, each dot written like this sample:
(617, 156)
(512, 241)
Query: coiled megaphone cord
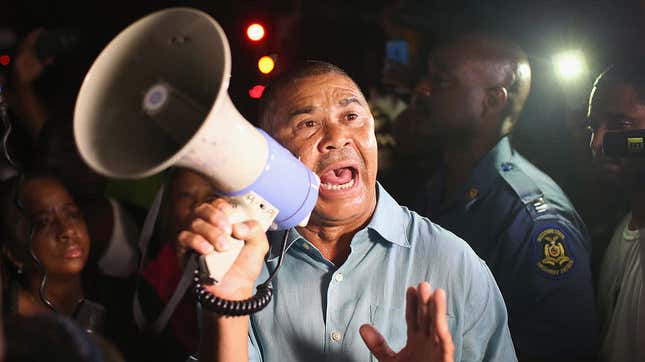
(239, 307)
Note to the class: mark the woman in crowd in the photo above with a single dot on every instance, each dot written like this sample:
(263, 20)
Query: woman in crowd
(45, 249)
(46, 245)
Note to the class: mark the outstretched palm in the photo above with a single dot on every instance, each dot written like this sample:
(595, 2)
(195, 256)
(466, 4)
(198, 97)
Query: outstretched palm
(429, 338)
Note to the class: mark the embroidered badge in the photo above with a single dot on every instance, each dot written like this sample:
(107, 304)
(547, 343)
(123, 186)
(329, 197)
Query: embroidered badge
(472, 193)
(553, 258)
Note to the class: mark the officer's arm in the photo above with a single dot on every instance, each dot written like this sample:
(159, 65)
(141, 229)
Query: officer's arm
(549, 293)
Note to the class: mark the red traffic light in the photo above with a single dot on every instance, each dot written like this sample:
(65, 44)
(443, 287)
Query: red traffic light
(256, 91)
(5, 60)
(255, 32)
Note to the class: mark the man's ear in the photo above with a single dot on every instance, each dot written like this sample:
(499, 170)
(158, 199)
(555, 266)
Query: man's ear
(495, 100)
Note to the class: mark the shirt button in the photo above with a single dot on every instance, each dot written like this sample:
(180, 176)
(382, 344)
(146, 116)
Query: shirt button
(339, 277)
(305, 245)
(336, 336)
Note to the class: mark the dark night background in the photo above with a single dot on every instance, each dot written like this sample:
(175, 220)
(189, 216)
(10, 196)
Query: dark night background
(350, 34)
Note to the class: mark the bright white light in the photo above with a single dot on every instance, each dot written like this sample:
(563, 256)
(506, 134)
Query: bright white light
(570, 64)
(255, 32)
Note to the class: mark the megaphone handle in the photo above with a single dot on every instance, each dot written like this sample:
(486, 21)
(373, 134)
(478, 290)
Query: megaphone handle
(238, 307)
(245, 207)
(216, 264)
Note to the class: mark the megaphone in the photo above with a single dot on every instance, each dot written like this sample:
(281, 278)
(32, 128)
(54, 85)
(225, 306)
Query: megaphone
(157, 97)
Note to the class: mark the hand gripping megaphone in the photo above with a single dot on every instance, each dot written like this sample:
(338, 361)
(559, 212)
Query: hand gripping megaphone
(157, 97)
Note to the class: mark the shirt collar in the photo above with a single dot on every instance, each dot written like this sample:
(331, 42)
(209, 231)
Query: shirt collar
(388, 221)
(277, 237)
(490, 165)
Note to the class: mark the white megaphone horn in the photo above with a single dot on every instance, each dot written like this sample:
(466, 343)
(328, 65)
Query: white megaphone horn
(157, 97)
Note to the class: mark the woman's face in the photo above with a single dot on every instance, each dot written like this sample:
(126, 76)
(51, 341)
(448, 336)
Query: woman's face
(188, 189)
(59, 237)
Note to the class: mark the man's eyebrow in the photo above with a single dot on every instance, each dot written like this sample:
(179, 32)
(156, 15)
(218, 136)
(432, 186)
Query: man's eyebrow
(303, 110)
(347, 101)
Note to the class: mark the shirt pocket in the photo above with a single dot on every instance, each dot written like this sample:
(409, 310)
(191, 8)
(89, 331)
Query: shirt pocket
(390, 322)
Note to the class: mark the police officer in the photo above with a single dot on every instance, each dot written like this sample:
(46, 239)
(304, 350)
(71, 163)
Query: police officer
(512, 214)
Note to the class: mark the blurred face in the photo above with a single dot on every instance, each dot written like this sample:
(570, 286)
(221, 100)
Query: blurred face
(451, 105)
(616, 107)
(59, 236)
(188, 190)
(406, 127)
(325, 121)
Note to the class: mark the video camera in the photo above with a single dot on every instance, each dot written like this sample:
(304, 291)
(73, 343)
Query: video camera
(624, 144)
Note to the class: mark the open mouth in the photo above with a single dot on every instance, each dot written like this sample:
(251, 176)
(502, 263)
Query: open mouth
(339, 178)
(73, 252)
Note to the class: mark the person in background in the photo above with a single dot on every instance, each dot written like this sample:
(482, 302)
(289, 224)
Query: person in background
(415, 159)
(26, 100)
(44, 233)
(113, 229)
(45, 248)
(617, 103)
(185, 190)
(514, 216)
(600, 203)
(45, 78)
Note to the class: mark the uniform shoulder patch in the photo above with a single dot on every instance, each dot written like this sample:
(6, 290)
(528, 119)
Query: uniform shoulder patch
(554, 257)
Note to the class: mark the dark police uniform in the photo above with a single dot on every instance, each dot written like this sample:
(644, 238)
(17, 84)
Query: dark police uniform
(520, 222)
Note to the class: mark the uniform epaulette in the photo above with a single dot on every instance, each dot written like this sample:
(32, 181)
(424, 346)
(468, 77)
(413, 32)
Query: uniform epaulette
(525, 188)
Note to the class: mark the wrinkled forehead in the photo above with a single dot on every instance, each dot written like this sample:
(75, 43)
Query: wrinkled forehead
(319, 92)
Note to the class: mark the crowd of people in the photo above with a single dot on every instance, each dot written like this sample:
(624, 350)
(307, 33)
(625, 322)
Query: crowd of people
(460, 249)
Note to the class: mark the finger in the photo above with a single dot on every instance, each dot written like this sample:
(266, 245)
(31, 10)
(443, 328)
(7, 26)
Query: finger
(195, 242)
(212, 233)
(440, 325)
(376, 343)
(222, 204)
(411, 301)
(214, 214)
(252, 232)
(423, 314)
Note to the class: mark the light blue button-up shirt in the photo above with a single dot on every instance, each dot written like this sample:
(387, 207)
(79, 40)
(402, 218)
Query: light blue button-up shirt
(318, 307)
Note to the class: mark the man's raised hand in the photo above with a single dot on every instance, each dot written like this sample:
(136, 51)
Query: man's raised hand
(429, 338)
